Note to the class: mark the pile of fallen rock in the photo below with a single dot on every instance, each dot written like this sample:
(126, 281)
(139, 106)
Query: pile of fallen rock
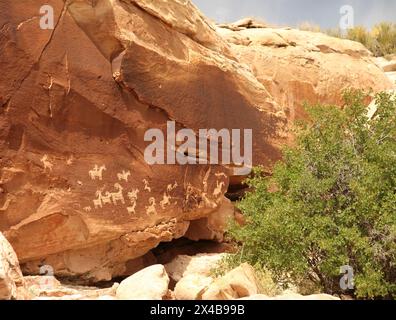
(184, 278)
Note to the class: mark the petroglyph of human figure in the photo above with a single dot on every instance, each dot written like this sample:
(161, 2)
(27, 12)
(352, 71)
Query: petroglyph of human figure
(47, 165)
(97, 172)
(146, 185)
(133, 196)
(118, 196)
(98, 202)
(219, 188)
(150, 210)
(124, 175)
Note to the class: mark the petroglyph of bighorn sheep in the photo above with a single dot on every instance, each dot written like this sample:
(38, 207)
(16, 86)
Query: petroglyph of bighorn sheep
(97, 172)
(146, 185)
(131, 210)
(88, 209)
(219, 189)
(47, 165)
(118, 196)
(124, 175)
(151, 208)
(133, 195)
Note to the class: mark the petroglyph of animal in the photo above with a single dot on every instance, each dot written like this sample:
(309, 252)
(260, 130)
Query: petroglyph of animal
(88, 209)
(219, 189)
(131, 210)
(146, 185)
(97, 172)
(124, 175)
(165, 201)
(118, 196)
(47, 165)
(171, 187)
(150, 210)
(133, 195)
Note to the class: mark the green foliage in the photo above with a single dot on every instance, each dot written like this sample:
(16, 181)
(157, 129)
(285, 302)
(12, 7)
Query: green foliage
(381, 40)
(330, 202)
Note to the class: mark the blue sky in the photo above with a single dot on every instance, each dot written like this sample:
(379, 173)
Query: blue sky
(293, 12)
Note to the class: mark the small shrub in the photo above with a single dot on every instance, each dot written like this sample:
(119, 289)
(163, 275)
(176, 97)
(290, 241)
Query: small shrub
(381, 40)
(331, 202)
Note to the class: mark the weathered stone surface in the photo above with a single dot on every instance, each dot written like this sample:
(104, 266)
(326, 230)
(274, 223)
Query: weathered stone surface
(301, 66)
(148, 284)
(11, 279)
(214, 226)
(75, 104)
(49, 288)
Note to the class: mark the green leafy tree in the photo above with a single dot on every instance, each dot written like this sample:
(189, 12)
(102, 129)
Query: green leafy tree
(331, 202)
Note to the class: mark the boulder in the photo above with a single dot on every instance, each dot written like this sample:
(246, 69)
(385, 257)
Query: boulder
(388, 65)
(49, 288)
(11, 279)
(75, 103)
(238, 283)
(200, 264)
(148, 284)
(192, 287)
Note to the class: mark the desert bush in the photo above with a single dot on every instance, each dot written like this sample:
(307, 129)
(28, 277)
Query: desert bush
(381, 40)
(331, 202)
